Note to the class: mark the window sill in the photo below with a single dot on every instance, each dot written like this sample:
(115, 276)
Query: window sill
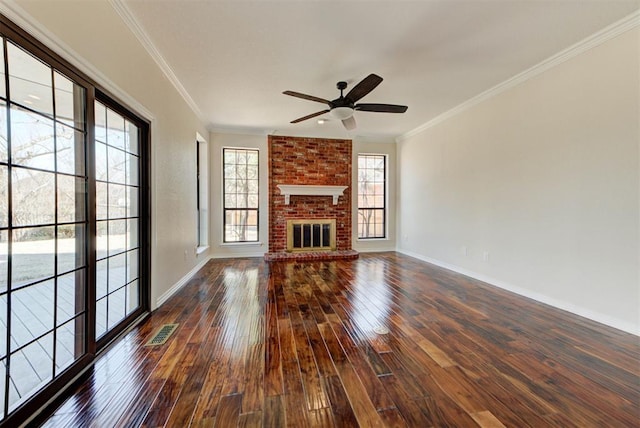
(372, 239)
(241, 244)
(201, 249)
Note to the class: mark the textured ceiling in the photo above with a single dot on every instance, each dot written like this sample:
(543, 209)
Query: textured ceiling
(234, 58)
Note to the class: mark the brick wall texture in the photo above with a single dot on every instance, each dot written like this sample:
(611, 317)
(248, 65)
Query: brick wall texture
(317, 161)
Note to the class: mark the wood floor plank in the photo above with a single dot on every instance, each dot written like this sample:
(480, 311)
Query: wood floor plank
(313, 390)
(392, 418)
(295, 344)
(410, 410)
(228, 411)
(273, 384)
(342, 411)
(361, 364)
(250, 420)
(185, 404)
(322, 418)
(207, 404)
(486, 420)
(364, 410)
(166, 399)
(273, 414)
(254, 379)
(320, 352)
(295, 404)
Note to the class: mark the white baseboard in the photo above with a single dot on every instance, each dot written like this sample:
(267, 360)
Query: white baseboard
(236, 255)
(374, 250)
(373, 245)
(560, 304)
(181, 283)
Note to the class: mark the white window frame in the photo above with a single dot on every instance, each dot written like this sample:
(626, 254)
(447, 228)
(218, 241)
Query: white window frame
(385, 208)
(202, 195)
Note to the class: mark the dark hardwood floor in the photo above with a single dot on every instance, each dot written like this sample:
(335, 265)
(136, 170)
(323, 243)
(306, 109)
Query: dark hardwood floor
(296, 345)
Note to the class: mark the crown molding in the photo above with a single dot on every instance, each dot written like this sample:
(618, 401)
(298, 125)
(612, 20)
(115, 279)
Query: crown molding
(29, 24)
(379, 139)
(134, 26)
(238, 130)
(623, 25)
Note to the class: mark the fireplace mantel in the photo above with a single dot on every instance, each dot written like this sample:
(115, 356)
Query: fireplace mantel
(310, 190)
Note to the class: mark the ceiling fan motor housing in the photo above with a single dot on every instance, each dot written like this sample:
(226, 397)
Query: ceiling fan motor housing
(341, 102)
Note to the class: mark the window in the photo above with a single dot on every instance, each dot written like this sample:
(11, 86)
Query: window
(202, 192)
(240, 187)
(371, 196)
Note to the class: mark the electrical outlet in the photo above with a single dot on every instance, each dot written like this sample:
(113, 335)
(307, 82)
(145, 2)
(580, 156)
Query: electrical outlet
(485, 256)
(186, 254)
(463, 250)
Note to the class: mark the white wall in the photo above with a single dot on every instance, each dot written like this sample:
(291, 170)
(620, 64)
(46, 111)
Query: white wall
(218, 141)
(93, 36)
(389, 149)
(545, 178)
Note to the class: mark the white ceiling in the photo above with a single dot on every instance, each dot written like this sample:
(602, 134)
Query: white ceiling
(234, 58)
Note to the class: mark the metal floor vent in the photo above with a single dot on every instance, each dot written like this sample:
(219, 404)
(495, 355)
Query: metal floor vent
(162, 335)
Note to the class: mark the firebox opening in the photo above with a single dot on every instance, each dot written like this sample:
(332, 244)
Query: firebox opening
(311, 235)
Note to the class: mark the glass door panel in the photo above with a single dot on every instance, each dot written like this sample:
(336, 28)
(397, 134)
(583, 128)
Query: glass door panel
(43, 225)
(117, 199)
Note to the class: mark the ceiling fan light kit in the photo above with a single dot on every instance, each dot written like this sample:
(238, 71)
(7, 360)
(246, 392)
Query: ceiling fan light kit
(341, 113)
(343, 108)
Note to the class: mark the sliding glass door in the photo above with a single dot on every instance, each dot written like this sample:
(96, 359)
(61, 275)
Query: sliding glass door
(74, 220)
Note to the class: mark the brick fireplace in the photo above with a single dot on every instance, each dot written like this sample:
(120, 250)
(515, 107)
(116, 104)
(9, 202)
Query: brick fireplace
(314, 162)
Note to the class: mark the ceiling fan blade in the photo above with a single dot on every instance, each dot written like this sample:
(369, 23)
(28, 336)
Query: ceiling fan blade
(310, 116)
(382, 108)
(349, 123)
(306, 97)
(367, 85)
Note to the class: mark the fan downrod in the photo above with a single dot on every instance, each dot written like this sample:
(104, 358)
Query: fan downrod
(341, 86)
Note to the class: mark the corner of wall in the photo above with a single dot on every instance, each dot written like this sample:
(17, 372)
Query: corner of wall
(179, 284)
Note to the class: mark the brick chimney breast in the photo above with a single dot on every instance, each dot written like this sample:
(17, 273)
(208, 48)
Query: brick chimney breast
(308, 161)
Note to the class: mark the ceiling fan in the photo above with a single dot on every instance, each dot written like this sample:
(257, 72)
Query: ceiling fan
(343, 107)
